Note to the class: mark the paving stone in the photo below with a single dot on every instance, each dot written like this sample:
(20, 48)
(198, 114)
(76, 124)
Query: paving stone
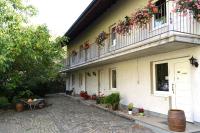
(66, 116)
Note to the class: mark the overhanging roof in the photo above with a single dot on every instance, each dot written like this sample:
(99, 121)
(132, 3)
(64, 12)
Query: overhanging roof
(92, 12)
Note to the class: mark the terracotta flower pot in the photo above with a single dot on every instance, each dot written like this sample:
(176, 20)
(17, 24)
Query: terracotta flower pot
(155, 9)
(19, 107)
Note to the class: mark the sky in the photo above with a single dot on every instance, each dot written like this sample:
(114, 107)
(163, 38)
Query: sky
(58, 15)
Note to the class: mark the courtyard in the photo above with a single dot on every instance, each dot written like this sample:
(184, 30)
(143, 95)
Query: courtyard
(65, 115)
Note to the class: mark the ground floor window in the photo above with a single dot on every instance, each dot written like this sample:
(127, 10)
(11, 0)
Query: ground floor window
(161, 77)
(73, 79)
(80, 79)
(113, 78)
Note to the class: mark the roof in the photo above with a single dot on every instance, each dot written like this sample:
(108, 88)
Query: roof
(89, 15)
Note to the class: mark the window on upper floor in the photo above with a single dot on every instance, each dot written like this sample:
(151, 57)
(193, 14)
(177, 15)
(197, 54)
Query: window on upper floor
(113, 35)
(161, 17)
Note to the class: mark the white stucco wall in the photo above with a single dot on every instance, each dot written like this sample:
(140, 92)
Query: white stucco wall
(134, 81)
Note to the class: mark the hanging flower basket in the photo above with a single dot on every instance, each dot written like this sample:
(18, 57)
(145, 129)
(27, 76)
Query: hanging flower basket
(74, 53)
(86, 45)
(191, 5)
(151, 7)
(141, 18)
(101, 38)
(155, 10)
(124, 27)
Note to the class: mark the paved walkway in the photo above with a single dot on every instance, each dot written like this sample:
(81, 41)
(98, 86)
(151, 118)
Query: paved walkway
(66, 116)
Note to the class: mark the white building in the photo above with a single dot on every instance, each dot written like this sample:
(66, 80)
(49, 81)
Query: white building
(148, 66)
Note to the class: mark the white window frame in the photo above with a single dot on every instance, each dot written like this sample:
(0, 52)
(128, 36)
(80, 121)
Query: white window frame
(111, 80)
(167, 17)
(161, 93)
(113, 42)
(73, 79)
(80, 79)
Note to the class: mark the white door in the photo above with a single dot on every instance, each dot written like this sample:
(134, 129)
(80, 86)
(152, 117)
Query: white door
(182, 89)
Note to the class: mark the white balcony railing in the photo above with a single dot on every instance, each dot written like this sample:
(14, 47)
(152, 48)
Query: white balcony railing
(175, 22)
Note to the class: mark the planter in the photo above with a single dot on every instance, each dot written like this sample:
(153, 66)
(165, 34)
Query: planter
(155, 10)
(130, 112)
(176, 120)
(19, 107)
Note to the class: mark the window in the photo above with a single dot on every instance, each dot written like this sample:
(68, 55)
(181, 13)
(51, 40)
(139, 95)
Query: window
(73, 79)
(161, 17)
(161, 77)
(113, 36)
(80, 79)
(113, 76)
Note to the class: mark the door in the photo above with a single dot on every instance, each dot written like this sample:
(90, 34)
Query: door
(100, 82)
(182, 89)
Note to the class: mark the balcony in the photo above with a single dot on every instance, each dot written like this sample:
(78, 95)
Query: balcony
(176, 32)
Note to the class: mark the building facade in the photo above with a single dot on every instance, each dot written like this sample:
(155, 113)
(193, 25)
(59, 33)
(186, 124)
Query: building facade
(150, 66)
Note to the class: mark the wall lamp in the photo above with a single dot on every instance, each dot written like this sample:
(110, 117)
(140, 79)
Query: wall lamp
(194, 61)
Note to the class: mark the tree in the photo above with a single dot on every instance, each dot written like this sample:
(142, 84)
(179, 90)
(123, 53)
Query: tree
(28, 56)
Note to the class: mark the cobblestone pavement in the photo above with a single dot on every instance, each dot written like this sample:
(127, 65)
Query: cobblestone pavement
(66, 116)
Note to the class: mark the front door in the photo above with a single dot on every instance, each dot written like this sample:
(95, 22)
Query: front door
(182, 89)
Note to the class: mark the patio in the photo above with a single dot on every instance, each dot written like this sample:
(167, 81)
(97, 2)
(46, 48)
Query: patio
(66, 115)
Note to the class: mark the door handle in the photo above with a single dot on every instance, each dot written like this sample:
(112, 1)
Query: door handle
(173, 88)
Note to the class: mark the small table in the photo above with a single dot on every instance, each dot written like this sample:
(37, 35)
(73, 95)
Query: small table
(34, 103)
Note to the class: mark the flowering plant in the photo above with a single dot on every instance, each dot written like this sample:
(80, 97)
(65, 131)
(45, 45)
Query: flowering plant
(185, 5)
(124, 27)
(101, 38)
(142, 17)
(74, 53)
(152, 8)
(86, 44)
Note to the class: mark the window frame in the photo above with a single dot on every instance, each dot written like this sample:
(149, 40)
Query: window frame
(73, 79)
(155, 91)
(167, 17)
(111, 78)
(111, 35)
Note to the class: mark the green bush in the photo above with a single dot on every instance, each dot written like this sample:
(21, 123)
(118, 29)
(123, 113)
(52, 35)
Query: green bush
(3, 101)
(112, 99)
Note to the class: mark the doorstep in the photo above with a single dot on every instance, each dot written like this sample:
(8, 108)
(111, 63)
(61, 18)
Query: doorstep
(157, 124)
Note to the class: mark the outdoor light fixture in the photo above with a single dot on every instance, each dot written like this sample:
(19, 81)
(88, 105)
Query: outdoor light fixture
(194, 61)
(94, 73)
(88, 74)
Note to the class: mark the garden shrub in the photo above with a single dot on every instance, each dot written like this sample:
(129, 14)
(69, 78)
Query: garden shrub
(3, 101)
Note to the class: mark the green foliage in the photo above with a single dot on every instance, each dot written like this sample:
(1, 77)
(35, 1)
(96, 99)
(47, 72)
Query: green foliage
(3, 101)
(112, 99)
(28, 55)
(130, 106)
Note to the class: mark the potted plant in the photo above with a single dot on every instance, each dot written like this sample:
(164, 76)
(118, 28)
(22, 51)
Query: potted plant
(130, 108)
(86, 45)
(141, 111)
(125, 26)
(19, 106)
(152, 7)
(141, 17)
(94, 97)
(74, 53)
(185, 5)
(101, 38)
(113, 100)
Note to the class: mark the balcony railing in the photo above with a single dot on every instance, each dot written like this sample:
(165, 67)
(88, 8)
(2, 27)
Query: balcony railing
(175, 22)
